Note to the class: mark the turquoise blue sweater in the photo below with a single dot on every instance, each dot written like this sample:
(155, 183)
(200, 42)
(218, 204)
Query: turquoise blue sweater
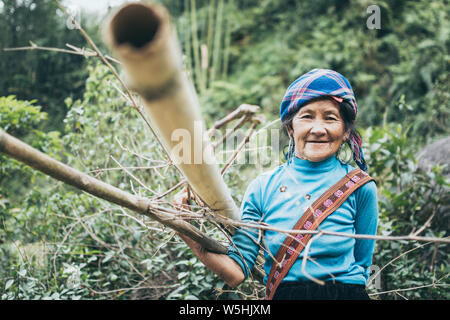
(343, 259)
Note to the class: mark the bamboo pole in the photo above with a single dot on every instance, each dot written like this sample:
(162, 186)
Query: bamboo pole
(215, 70)
(227, 39)
(209, 38)
(196, 48)
(39, 161)
(187, 43)
(142, 37)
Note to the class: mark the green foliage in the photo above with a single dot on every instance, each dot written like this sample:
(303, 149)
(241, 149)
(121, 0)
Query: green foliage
(21, 119)
(18, 117)
(408, 197)
(47, 76)
(58, 243)
(274, 42)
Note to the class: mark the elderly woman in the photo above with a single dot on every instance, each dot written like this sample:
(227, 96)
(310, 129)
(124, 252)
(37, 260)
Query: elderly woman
(313, 189)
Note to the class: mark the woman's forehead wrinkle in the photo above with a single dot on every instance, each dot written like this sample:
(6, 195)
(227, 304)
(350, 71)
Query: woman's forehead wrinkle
(331, 111)
(326, 109)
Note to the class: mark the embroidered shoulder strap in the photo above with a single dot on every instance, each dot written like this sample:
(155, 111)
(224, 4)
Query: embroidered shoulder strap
(310, 220)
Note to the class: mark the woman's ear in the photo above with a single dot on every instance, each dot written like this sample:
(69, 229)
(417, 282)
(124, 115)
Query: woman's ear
(290, 133)
(346, 136)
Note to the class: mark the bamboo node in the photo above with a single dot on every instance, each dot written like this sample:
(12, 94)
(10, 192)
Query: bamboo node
(248, 108)
(258, 119)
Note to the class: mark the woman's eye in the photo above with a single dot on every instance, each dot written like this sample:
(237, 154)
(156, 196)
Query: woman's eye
(331, 118)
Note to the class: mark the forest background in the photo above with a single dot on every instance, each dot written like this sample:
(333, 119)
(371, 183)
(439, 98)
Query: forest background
(59, 243)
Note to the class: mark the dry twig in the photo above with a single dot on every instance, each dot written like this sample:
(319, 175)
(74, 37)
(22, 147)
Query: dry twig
(73, 50)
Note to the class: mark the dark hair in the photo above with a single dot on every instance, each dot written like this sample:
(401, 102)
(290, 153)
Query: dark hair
(345, 110)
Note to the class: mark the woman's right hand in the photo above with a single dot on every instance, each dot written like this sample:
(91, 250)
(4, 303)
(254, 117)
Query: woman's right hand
(222, 265)
(196, 247)
(181, 199)
(181, 202)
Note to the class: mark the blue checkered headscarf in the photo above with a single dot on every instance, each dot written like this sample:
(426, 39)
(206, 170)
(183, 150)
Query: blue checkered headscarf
(323, 82)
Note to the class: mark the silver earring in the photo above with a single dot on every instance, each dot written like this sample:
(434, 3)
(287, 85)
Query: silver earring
(291, 150)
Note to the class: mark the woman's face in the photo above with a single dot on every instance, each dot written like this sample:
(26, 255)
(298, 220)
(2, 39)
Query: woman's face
(318, 130)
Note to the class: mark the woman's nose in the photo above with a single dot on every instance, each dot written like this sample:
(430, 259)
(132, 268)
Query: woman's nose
(318, 128)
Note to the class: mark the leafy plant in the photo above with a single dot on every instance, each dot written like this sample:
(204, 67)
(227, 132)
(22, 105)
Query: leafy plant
(410, 199)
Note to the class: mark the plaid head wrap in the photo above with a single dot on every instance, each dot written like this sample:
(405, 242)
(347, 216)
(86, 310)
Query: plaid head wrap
(323, 82)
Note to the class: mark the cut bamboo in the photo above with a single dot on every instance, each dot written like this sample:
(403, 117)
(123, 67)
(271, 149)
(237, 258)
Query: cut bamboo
(196, 48)
(215, 70)
(26, 154)
(143, 39)
(62, 172)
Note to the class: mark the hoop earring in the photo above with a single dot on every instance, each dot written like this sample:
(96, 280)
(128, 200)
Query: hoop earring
(291, 151)
(343, 154)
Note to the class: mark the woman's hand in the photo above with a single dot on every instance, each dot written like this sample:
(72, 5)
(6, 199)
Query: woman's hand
(181, 199)
(221, 264)
(181, 202)
(196, 247)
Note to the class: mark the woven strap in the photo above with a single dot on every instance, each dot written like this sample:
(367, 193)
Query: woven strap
(310, 220)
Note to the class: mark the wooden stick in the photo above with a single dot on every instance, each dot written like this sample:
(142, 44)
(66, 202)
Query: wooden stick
(39, 161)
(74, 50)
(239, 148)
(239, 124)
(243, 109)
(114, 72)
(264, 226)
(143, 39)
(256, 120)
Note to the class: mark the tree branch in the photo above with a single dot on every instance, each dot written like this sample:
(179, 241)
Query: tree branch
(74, 50)
(114, 72)
(243, 109)
(39, 161)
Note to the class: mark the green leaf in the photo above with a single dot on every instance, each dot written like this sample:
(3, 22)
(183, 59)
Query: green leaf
(9, 284)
